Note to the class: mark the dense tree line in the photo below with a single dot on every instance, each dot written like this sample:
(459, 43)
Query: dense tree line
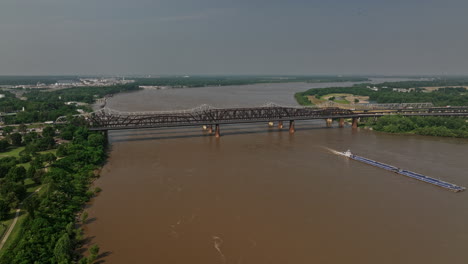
(79, 94)
(429, 126)
(441, 97)
(43, 106)
(32, 80)
(48, 234)
(12, 175)
(201, 81)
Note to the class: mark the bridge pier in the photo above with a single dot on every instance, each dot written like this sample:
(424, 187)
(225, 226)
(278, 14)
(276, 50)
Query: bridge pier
(329, 122)
(217, 131)
(210, 129)
(106, 136)
(341, 123)
(280, 124)
(291, 127)
(355, 122)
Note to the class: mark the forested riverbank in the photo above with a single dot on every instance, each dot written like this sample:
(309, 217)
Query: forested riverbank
(455, 93)
(427, 126)
(49, 233)
(40, 106)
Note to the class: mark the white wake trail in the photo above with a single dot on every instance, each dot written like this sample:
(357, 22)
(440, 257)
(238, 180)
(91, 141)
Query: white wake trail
(217, 245)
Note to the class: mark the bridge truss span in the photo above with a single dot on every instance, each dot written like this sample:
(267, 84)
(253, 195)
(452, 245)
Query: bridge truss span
(107, 119)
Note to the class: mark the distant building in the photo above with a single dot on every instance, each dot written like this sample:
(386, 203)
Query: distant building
(67, 83)
(403, 90)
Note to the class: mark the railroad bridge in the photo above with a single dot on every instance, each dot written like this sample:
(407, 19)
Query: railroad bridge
(211, 118)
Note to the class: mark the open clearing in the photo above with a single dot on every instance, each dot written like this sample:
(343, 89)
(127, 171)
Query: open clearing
(340, 98)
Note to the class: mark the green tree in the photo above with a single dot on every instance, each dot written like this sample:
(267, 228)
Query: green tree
(31, 204)
(30, 137)
(16, 174)
(22, 128)
(7, 130)
(48, 132)
(62, 249)
(84, 217)
(16, 139)
(96, 140)
(93, 253)
(48, 158)
(4, 209)
(4, 145)
(62, 150)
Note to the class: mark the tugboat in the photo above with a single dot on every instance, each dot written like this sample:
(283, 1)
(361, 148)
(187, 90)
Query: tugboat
(348, 154)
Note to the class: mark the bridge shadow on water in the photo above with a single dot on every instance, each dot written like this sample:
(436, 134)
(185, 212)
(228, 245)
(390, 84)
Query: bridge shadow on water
(195, 132)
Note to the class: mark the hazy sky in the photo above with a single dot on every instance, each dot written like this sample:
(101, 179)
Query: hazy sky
(233, 37)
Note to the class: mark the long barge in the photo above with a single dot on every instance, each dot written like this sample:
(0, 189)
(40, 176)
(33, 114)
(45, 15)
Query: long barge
(414, 175)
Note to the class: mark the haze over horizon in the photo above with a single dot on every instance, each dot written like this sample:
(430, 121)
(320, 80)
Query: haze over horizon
(218, 37)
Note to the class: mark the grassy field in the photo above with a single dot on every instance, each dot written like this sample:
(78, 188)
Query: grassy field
(340, 98)
(13, 152)
(16, 231)
(53, 151)
(31, 188)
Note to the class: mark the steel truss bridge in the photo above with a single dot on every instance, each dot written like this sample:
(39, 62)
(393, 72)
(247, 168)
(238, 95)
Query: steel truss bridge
(107, 119)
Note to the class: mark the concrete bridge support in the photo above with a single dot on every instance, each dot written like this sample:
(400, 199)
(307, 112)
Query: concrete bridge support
(341, 123)
(210, 129)
(105, 133)
(280, 124)
(329, 122)
(217, 131)
(355, 122)
(291, 127)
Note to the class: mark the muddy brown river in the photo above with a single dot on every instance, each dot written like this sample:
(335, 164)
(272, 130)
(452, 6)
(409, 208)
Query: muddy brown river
(260, 195)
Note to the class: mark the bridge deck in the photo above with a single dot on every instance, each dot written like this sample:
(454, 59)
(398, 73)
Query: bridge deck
(106, 119)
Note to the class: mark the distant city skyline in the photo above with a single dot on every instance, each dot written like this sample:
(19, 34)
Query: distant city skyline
(227, 37)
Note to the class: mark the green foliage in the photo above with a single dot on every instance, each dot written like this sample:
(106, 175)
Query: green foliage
(24, 157)
(441, 97)
(22, 128)
(48, 132)
(430, 126)
(47, 234)
(302, 99)
(84, 217)
(16, 174)
(16, 139)
(48, 106)
(331, 98)
(8, 129)
(62, 249)
(201, 81)
(4, 145)
(35, 143)
(30, 204)
(93, 253)
(4, 209)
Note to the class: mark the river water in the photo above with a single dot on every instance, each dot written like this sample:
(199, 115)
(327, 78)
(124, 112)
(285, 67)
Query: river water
(260, 195)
